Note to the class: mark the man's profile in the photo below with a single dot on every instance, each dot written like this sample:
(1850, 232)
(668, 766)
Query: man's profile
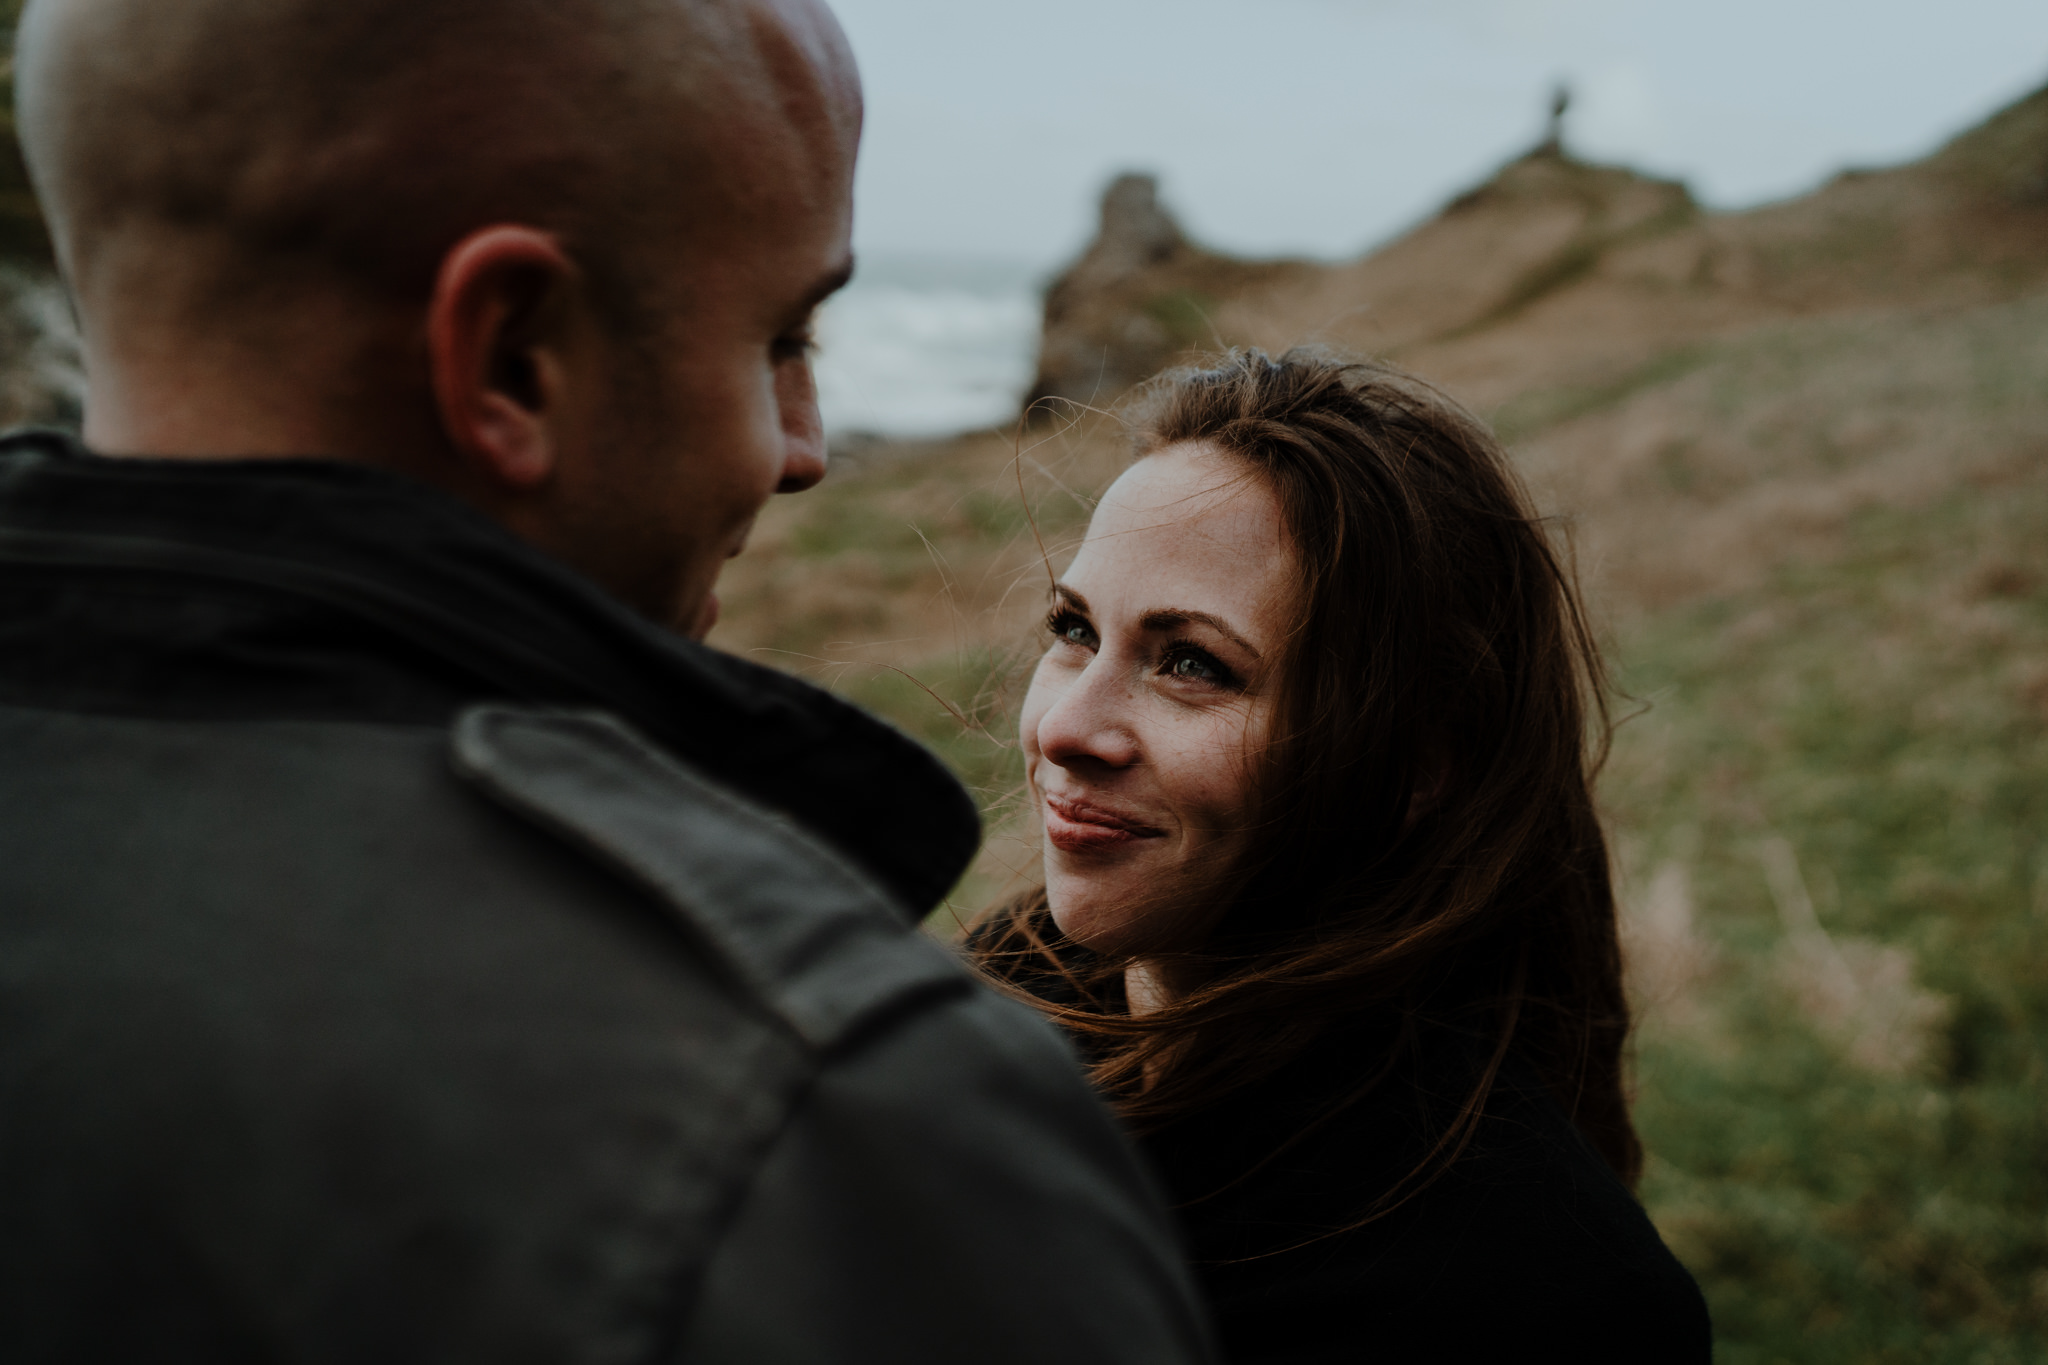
(411, 946)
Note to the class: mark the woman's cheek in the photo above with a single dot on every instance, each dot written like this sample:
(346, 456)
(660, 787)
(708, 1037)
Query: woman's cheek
(1215, 786)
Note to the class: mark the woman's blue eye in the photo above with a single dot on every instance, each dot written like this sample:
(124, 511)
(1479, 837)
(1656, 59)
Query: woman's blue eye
(1071, 629)
(1196, 667)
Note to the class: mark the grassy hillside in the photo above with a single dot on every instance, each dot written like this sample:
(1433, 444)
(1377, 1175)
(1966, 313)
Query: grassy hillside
(1833, 823)
(1803, 453)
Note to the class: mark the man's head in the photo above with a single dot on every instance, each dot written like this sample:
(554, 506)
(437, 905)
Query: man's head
(558, 256)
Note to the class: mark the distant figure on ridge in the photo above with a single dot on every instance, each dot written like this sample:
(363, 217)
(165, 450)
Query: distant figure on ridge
(1560, 103)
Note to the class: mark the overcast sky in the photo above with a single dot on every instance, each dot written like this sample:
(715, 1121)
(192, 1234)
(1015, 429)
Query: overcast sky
(1324, 126)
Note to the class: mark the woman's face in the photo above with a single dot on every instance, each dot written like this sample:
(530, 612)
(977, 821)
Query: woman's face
(1154, 696)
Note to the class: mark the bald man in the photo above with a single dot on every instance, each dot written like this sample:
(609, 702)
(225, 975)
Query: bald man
(414, 945)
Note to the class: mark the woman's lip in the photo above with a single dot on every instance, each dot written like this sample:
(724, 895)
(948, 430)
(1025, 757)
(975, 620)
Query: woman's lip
(1077, 826)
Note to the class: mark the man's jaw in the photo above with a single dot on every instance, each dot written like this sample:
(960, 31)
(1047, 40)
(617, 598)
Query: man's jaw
(706, 617)
(699, 624)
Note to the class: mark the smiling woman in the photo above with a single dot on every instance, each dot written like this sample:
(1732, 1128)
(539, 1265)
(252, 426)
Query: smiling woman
(1326, 899)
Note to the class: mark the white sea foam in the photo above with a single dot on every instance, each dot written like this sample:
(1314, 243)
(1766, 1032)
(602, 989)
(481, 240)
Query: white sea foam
(927, 348)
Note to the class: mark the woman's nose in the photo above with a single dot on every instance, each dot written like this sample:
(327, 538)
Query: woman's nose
(1089, 725)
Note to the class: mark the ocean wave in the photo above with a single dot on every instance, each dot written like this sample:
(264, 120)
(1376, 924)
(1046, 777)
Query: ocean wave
(904, 360)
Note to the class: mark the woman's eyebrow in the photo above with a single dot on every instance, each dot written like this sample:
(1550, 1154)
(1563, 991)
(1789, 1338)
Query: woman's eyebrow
(1172, 618)
(1068, 597)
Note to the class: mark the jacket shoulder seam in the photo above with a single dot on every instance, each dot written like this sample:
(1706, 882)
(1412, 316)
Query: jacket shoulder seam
(796, 926)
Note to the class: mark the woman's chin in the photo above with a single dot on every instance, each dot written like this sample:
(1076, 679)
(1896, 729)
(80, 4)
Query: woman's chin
(1094, 911)
(1093, 931)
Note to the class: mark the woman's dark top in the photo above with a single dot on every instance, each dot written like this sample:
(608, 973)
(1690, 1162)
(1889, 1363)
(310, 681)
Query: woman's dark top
(1526, 1248)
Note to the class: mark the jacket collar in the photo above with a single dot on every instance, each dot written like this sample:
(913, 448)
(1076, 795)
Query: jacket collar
(422, 567)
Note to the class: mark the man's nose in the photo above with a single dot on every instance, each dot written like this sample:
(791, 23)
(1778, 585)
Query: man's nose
(1090, 724)
(803, 466)
(804, 457)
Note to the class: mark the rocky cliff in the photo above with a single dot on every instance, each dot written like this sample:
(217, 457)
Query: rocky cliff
(1141, 294)
(1558, 271)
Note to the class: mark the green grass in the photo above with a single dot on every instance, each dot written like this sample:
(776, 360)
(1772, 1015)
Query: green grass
(1886, 717)
(1186, 314)
(1536, 410)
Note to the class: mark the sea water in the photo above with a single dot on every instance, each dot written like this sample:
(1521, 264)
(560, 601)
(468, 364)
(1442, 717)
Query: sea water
(919, 347)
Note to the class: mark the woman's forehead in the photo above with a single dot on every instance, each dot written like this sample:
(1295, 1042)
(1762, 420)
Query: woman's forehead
(1189, 491)
(1186, 527)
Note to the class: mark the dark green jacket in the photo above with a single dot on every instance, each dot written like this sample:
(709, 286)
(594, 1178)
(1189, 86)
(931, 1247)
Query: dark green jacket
(408, 955)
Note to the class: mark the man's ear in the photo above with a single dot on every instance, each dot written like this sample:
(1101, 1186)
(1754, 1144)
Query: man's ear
(496, 331)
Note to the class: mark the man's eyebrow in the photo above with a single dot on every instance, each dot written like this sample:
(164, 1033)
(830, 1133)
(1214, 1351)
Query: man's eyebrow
(1172, 618)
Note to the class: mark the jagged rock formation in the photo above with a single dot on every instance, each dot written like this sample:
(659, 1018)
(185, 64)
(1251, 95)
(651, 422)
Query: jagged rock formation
(1136, 233)
(1141, 294)
(1707, 393)
(1541, 224)
(1556, 271)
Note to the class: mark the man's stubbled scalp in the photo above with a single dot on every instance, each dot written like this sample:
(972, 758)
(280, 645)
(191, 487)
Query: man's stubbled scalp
(366, 137)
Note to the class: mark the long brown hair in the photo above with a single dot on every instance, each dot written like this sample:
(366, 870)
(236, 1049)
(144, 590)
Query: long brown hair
(1424, 844)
